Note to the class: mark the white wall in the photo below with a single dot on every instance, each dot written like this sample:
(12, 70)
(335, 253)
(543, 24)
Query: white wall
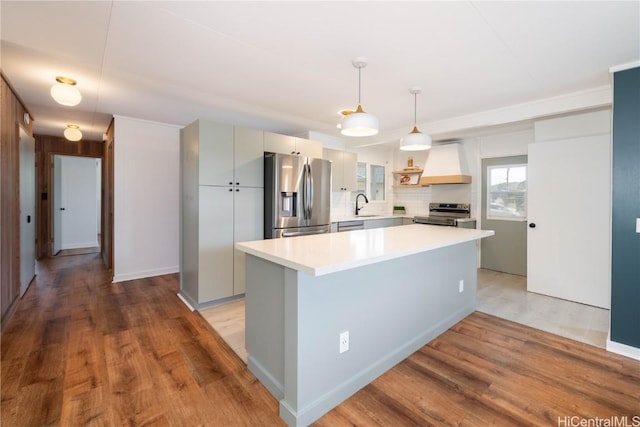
(79, 187)
(146, 205)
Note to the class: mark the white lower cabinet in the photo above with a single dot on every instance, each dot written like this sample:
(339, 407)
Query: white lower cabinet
(248, 224)
(215, 255)
(383, 222)
(227, 215)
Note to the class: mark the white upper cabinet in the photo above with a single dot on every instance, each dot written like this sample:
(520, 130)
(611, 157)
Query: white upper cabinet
(215, 152)
(309, 148)
(229, 156)
(285, 144)
(276, 143)
(343, 169)
(248, 157)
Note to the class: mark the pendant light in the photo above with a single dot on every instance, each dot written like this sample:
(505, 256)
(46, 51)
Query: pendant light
(416, 140)
(359, 123)
(72, 133)
(65, 92)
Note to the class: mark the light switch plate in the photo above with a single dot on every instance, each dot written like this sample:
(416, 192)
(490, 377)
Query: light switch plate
(637, 225)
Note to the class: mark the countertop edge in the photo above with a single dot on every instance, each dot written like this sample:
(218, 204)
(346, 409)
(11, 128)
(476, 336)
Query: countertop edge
(337, 267)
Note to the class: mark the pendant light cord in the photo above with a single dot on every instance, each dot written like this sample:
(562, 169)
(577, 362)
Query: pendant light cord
(415, 109)
(359, 84)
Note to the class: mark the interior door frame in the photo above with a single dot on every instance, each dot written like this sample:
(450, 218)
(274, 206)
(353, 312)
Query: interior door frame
(32, 211)
(49, 209)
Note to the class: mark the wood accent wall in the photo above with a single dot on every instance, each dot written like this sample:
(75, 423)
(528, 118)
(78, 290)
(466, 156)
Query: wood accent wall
(107, 199)
(12, 112)
(45, 147)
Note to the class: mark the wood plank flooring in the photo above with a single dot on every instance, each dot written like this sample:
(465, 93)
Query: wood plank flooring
(228, 321)
(82, 351)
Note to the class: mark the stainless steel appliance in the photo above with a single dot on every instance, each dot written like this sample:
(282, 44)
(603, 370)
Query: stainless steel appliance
(297, 195)
(448, 214)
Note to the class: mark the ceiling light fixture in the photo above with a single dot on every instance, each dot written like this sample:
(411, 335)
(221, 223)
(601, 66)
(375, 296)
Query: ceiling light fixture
(416, 140)
(65, 92)
(359, 123)
(72, 133)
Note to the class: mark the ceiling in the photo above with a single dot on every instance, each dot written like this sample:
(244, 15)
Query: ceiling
(286, 66)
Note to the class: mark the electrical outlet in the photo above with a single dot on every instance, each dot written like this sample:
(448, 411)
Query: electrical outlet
(461, 286)
(344, 341)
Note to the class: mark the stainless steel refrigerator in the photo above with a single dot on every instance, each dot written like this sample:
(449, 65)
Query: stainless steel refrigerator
(297, 196)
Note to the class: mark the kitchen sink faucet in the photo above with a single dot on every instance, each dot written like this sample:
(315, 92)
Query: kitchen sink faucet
(357, 197)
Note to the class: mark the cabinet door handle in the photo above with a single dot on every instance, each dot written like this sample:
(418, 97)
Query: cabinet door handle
(237, 183)
(231, 183)
(532, 225)
(237, 189)
(231, 189)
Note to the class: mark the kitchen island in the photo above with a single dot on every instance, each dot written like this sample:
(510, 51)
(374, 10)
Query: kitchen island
(392, 289)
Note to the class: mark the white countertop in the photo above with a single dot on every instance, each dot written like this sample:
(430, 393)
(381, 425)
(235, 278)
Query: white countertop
(321, 254)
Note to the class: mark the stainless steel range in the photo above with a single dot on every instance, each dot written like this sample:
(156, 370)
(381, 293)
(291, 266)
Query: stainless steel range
(448, 214)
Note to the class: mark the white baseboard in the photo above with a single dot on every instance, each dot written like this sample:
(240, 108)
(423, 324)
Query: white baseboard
(122, 277)
(79, 245)
(622, 349)
(185, 302)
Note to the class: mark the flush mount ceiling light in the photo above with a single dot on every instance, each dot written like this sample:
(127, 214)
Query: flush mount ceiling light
(72, 133)
(359, 123)
(65, 92)
(416, 140)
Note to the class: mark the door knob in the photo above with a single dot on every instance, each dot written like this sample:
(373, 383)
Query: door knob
(532, 225)
(62, 209)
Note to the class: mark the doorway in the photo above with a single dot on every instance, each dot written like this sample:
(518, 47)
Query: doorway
(504, 210)
(76, 214)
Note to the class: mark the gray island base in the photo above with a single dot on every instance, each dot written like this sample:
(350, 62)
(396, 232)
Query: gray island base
(391, 307)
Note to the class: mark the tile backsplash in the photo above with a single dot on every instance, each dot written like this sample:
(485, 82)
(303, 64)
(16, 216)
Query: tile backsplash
(415, 200)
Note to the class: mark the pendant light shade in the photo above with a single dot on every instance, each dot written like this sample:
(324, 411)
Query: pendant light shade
(416, 140)
(65, 92)
(72, 133)
(359, 123)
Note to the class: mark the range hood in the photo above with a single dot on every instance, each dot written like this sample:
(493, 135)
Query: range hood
(445, 165)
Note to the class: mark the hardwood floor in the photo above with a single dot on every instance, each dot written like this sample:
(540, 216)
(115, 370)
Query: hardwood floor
(228, 321)
(82, 351)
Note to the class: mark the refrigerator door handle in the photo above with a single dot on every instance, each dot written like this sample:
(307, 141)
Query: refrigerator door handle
(305, 193)
(310, 201)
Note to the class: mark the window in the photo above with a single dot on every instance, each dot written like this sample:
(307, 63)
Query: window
(361, 178)
(377, 182)
(507, 192)
(371, 181)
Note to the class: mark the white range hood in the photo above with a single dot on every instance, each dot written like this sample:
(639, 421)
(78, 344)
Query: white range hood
(445, 165)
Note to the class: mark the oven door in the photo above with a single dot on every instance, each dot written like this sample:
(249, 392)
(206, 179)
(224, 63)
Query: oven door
(435, 220)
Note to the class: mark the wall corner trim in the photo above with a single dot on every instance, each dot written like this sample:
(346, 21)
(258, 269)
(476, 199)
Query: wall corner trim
(623, 67)
(622, 349)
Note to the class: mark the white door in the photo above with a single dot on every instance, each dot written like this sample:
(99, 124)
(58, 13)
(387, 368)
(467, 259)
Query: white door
(504, 210)
(568, 250)
(79, 191)
(58, 208)
(27, 210)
